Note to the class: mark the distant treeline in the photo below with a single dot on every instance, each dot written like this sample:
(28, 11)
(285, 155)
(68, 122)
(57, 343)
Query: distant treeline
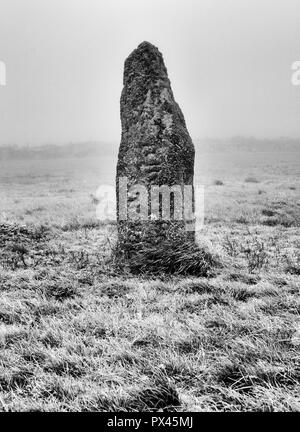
(85, 149)
(245, 144)
(55, 151)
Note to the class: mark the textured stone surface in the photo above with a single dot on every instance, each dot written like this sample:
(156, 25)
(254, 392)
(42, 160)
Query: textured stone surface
(155, 148)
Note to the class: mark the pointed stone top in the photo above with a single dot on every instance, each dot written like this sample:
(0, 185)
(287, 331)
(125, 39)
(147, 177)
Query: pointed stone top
(145, 60)
(146, 46)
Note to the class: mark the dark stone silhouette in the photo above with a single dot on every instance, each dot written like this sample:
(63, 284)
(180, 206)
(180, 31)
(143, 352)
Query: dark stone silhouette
(155, 148)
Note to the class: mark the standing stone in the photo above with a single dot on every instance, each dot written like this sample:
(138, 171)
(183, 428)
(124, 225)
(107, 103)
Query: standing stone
(155, 150)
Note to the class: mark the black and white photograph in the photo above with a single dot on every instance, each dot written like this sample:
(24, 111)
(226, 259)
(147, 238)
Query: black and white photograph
(149, 209)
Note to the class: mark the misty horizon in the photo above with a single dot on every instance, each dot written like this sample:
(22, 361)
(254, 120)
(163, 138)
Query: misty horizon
(230, 139)
(229, 66)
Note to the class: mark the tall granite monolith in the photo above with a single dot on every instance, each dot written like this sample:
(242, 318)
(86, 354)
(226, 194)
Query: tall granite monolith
(156, 153)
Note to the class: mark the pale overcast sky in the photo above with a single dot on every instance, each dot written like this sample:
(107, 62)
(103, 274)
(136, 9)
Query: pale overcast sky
(229, 62)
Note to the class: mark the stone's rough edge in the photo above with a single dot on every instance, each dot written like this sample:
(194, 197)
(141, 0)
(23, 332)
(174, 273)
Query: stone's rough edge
(155, 146)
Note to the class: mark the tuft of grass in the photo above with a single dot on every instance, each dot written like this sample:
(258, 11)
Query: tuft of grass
(218, 183)
(161, 396)
(170, 256)
(16, 380)
(247, 279)
(255, 252)
(199, 286)
(242, 220)
(268, 212)
(58, 289)
(293, 264)
(251, 179)
(283, 219)
(114, 289)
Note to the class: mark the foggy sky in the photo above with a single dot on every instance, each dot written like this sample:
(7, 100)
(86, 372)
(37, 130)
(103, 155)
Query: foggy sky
(229, 62)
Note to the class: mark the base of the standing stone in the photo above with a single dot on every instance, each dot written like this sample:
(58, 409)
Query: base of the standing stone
(160, 248)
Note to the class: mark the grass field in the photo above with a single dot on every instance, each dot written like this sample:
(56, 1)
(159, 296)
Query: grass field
(77, 335)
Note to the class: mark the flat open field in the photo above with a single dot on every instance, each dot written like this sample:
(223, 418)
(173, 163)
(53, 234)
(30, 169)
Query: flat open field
(77, 335)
